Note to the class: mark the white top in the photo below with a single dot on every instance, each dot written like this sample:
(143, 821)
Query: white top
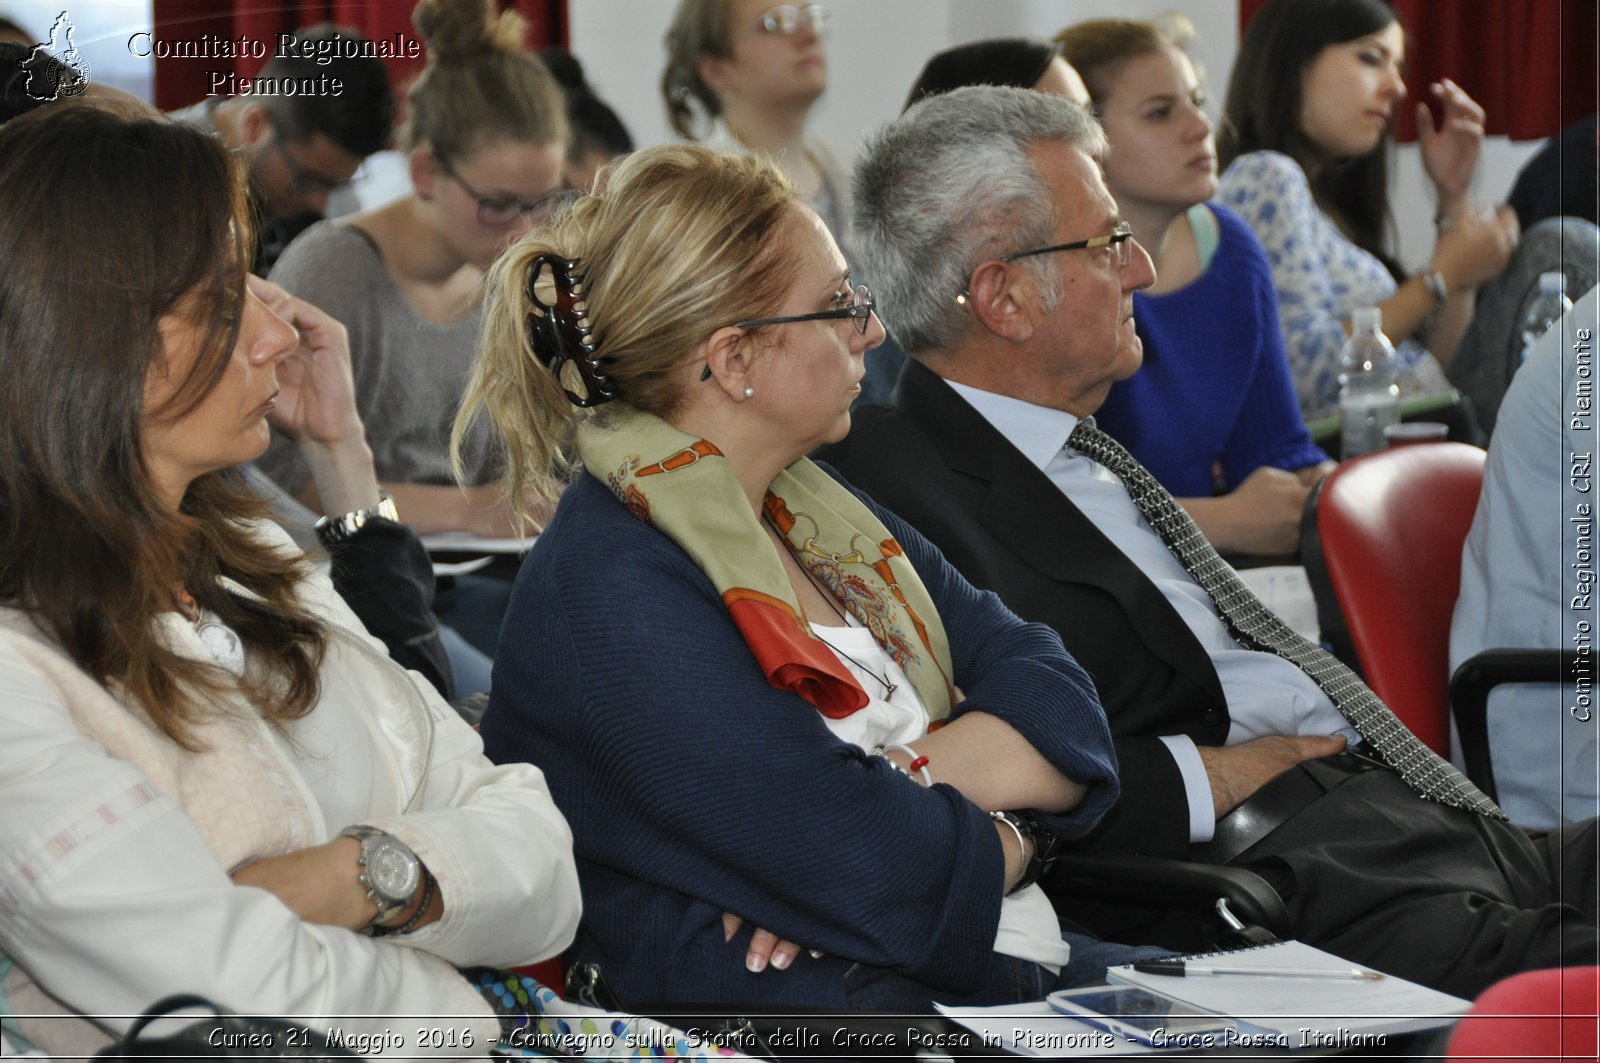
(1266, 694)
(1028, 929)
(116, 844)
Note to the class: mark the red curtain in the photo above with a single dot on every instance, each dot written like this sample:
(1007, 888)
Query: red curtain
(182, 81)
(1530, 63)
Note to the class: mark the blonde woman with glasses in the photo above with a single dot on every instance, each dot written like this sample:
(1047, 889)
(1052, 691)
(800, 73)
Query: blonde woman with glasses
(753, 70)
(806, 763)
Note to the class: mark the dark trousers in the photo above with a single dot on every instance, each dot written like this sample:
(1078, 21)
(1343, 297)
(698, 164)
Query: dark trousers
(1440, 896)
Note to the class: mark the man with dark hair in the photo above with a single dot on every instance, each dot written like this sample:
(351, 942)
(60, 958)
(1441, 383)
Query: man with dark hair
(302, 145)
(1004, 267)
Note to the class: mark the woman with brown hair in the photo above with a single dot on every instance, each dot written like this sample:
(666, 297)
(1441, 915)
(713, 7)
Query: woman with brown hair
(214, 780)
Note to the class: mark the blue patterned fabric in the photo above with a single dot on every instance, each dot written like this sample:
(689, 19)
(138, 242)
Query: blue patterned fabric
(1320, 276)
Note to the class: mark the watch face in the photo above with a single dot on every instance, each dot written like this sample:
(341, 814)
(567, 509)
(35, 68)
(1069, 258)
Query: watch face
(393, 871)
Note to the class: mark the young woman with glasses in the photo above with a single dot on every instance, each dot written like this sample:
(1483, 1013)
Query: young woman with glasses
(1211, 412)
(754, 69)
(732, 667)
(486, 134)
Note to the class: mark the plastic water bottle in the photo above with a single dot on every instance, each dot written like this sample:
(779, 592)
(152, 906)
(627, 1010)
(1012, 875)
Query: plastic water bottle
(1545, 310)
(1369, 397)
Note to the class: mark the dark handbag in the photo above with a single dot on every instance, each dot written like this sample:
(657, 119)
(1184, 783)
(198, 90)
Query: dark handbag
(223, 1034)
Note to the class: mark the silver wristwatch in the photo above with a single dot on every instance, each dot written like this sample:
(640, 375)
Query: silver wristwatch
(390, 871)
(331, 531)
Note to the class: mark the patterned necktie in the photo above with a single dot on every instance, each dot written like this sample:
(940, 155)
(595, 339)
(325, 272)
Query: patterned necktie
(1257, 627)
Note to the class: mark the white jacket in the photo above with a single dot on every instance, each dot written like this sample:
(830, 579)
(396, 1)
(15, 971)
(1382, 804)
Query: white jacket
(115, 847)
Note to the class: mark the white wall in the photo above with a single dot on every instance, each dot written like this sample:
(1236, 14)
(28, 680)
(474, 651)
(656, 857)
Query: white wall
(101, 29)
(876, 50)
(878, 47)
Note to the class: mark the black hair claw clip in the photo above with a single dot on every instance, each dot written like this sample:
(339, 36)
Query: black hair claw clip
(560, 334)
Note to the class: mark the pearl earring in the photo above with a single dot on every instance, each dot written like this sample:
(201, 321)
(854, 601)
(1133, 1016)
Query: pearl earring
(749, 392)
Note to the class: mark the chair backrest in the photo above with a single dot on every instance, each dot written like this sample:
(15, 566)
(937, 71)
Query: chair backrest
(1548, 1014)
(1382, 540)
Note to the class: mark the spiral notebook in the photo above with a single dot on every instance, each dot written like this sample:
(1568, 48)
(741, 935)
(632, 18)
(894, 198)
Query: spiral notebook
(1311, 1010)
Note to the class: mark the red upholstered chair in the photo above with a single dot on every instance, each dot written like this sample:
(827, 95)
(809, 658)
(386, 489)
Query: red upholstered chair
(1537, 1015)
(1381, 540)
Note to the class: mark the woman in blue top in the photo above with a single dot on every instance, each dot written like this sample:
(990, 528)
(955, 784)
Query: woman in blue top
(763, 700)
(1211, 412)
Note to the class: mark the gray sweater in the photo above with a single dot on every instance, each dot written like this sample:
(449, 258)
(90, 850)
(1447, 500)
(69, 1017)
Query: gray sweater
(410, 373)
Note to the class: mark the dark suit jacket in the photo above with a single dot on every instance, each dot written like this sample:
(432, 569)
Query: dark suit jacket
(933, 459)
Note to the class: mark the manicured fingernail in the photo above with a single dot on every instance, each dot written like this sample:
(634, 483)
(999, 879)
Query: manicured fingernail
(755, 963)
(781, 961)
(816, 954)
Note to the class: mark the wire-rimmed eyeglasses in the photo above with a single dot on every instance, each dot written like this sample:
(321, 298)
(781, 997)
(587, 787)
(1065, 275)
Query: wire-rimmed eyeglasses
(787, 18)
(1120, 238)
(504, 208)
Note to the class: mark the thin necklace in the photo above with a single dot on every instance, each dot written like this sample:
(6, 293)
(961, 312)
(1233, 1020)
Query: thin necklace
(888, 687)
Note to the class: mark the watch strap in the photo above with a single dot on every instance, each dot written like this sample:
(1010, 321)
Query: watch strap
(1045, 843)
(387, 908)
(331, 531)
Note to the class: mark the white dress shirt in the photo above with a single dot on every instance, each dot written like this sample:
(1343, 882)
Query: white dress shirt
(1266, 695)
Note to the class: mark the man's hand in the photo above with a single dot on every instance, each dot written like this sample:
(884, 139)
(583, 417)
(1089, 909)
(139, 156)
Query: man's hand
(1237, 772)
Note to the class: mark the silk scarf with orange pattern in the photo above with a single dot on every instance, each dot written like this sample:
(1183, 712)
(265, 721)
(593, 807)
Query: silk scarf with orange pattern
(684, 488)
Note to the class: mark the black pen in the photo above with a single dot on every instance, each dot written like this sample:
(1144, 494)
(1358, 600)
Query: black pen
(1180, 969)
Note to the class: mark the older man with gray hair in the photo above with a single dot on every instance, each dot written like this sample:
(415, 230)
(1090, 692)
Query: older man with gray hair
(1003, 266)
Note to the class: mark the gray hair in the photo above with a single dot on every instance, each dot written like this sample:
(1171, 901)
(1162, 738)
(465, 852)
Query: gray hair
(949, 184)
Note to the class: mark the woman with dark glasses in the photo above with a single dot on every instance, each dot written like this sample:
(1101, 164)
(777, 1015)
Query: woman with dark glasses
(805, 762)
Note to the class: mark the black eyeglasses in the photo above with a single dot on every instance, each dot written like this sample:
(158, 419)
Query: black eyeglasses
(1121, 234)
(786, 19)
(307, 182)
(503, 209)
(859, 309)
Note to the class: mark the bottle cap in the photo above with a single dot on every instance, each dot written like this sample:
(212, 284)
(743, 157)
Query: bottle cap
(1366, 317)
(1553, 281)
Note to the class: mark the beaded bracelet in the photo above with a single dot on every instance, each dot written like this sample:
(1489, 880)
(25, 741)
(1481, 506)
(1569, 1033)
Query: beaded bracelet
(919, 762)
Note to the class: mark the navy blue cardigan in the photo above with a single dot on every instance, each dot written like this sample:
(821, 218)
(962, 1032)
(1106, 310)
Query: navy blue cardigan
(694, 787)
